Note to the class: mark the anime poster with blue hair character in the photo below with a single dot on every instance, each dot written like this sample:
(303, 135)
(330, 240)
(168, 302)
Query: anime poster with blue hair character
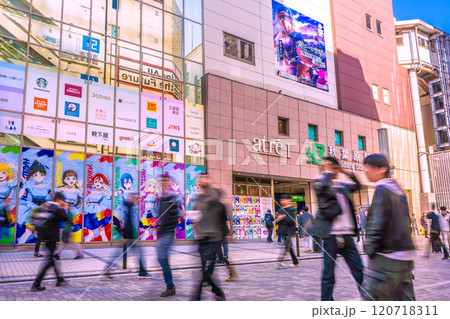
(149, 199)
(192, 191)
(98, 201)
(69, 177)
(35, 189)
(9, 175)
(176, 172)
(125, 180)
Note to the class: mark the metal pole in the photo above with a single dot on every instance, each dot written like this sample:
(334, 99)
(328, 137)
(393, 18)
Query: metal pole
(124, 255)
(298, 243)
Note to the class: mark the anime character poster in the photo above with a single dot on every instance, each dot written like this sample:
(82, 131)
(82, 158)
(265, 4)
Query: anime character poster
(176, 172)
(9, 175)
(192, 191)
(149, 199)
(35, 189)
(69, 177)
(98, 201)
(125, 181)
(299, 47)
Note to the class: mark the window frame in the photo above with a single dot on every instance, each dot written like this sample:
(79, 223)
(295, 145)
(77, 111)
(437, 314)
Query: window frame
(363, 141)
(397, 40)
(280, 119)
(239, 41)
(370, 19)
(378, 92)
(388, 97)
(379, 23)
(341, 134)
(316, 132)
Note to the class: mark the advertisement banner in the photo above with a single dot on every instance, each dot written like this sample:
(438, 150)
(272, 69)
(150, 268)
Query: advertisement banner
(39, 127)
(72, 99)
(174, 147)
(173, 117)
(127, 108)
(125, 181)
(35, 189)
(98, 201)
(194, 121)
(151, 113)
(192, 191)
(195, 152)
(9, 176)
(69, 177)
(10, 123)
(42, 87)
(176, 173)
(71, 132)
(149, 200)
(101, 104)
(127, 139)
(299, 47)
(12, 86)
(100, 135)
(151, 142)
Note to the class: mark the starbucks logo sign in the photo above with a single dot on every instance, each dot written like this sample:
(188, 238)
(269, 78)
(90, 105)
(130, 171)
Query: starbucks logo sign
(42, 83)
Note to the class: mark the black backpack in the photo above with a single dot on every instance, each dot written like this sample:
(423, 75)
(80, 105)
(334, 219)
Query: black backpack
(41, 217)
(268, 220)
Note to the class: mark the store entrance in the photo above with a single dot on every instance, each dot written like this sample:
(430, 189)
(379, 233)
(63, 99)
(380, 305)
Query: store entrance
(297, 189)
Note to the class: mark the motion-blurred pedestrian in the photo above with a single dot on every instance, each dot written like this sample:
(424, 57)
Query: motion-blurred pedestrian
(424, 223)
(66, 240)
(286, 226)
(268, 220)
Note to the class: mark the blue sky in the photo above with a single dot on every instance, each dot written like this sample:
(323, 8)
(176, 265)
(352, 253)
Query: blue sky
(435, 12)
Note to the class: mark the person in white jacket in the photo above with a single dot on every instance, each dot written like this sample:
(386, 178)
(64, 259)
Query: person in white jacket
(444, 224)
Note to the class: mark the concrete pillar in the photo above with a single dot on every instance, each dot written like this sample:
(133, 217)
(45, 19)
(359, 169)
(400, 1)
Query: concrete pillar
(418, 122)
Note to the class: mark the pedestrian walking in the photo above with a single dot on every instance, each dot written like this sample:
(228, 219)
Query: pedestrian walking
(168, 220)
(335, 222)
(435, 240)
(358, 225)
(424, 223)
(389, 245)
(208, 234)
(46, 220)
(66, 238)
(286, 226)
(304, 224)
(37, 245)
(444, 225)
(414, 226)
(268, 219)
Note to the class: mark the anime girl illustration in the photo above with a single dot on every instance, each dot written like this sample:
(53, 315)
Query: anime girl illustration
(97, 216)
(37, 192)
(8, 184)
(193, 191)
(126, 183)
(150, 197)
(73, 193)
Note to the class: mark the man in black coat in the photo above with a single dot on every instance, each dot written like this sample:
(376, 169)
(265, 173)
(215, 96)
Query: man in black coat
(335, 222)
(388, 245)
(286, 226)
(435, 239)
(49, 233)
(268, 219)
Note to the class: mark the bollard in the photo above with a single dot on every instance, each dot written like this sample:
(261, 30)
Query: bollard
(298, 245)
(124, 256)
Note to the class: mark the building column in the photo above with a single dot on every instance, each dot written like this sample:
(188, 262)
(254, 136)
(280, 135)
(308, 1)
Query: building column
(418, 122)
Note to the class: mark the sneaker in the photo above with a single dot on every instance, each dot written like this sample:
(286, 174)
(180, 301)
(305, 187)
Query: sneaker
(79, 257)
(37, 288)
(170, 291)
(146, 276)
(61, 283)
(38, 255)
(220, 261)
(220, 298)
(294, 265)
(57, 257)
(280, 245)
(445, 258)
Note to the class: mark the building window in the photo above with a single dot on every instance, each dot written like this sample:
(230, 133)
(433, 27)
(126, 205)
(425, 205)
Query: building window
(283, 126)
(115, 4)
(369, 22)
(375, 93)
(338, 138)
(399, 40)
(312, 132)
(239, 49)
(361, 143)
(386, 96)
(379, 29)
(423, 43)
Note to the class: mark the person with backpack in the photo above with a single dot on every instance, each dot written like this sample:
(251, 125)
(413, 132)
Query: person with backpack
(268, 219)
(46, 220)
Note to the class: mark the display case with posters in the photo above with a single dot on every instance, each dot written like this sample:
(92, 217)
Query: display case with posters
(98, 201)
(149, 199)
(248, 216)
(176, 172)
(192, 191)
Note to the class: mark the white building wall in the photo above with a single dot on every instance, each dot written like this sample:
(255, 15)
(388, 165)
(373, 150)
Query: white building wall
(252, 21)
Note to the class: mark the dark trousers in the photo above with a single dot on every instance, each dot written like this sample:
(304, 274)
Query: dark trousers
(436, 241)
(288, 249)
(387, 279)
(352, 258)
(51, 246)
(425, 229)
(37, 246)
(127, 243)
(223, 255)
(208, 251)
(269, 237)
(162, 253)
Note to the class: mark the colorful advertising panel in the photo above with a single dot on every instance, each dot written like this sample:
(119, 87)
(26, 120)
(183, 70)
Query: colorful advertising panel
(195, 152)
(71, 132)
(100, 135)
(72, 99)
(173, 117)
(9, 176)
(299, 47)
(39, 127)
(69, 177)
(11, 87)
(35, 189)
(194, 121)
(101, 104)
(174, 149)
(149, 200)
(176, 173)
(98, 201)
(151, 142)
(10, 123)
(125, 180)
(248, 216)
(127, 139)
(151, 113)
(127, 108)
(42, 87)
(192, 191)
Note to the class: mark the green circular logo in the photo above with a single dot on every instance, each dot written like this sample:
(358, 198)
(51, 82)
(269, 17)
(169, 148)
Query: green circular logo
(41, 82)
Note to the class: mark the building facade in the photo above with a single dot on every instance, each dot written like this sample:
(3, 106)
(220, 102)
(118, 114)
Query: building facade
(96, 98)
